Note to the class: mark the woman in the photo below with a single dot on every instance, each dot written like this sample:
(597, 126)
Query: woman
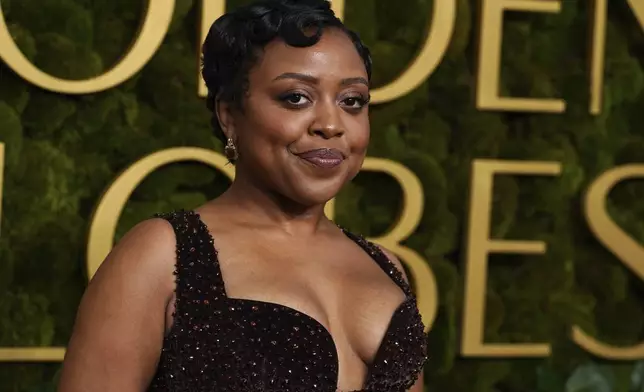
(257, 290)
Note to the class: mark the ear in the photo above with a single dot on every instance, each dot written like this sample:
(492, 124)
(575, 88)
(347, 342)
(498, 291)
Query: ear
(226, 118)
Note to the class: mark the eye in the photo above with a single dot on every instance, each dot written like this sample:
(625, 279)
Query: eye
(295, 99)
(357, 102)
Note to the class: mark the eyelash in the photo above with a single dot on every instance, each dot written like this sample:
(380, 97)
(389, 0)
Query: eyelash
(362, 101)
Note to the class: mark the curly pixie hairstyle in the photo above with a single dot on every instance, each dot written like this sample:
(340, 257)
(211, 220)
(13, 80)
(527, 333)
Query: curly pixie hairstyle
(235, 42)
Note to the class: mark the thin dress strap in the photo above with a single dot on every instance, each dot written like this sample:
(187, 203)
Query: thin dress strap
(197, 271)
(382, 260)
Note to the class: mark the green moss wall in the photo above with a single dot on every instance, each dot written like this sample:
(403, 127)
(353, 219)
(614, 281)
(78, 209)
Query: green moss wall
(63, 151)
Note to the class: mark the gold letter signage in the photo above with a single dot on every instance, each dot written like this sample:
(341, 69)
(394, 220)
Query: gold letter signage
(620, 244)
(439, 35)
(480, 244)
(153, 30)
(108, 212)
(598, 51)
(491, 37)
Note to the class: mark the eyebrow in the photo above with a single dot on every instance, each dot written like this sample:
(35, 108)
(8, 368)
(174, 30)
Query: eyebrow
(314, 80)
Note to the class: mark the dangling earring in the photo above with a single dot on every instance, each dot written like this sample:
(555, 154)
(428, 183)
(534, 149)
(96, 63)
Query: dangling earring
(230, 150)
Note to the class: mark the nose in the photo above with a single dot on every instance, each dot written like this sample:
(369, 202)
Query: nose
(328, 122)
(326, 132)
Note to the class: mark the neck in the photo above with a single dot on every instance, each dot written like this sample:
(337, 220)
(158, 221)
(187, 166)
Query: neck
(253, 204)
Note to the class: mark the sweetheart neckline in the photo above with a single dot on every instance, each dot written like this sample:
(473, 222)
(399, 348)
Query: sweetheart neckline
(328, 336)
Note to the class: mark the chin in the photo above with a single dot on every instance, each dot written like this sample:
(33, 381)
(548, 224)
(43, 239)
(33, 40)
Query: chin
(315, 194)
(311, 188)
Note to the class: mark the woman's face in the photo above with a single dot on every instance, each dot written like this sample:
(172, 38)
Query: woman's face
(304, 129)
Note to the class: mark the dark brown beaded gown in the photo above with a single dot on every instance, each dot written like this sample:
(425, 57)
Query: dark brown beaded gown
(223, 344)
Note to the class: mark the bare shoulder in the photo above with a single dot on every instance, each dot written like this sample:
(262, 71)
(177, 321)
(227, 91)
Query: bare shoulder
(120, 324)
(394, 259)
(146, 254)
(148, 245)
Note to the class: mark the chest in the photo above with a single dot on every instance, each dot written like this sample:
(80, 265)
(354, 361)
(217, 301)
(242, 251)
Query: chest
(242, 320)
(342, 290)
(338, 286)
(234, 345)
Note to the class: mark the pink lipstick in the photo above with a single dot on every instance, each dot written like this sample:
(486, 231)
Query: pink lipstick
(323, 157)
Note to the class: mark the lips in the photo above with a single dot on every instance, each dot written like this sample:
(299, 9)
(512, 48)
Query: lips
(323, 157)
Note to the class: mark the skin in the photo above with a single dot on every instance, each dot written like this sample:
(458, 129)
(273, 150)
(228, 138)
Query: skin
(298, 99)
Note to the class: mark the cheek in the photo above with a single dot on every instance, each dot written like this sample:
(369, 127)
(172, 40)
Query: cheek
(359, 139)
(278, 127)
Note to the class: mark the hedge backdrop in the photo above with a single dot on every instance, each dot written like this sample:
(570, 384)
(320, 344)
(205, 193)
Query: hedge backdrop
(63, 151)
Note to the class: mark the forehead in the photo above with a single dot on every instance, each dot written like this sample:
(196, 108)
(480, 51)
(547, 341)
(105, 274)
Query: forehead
(333, 56)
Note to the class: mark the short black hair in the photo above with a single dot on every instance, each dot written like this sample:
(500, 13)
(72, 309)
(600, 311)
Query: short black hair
(235, 41)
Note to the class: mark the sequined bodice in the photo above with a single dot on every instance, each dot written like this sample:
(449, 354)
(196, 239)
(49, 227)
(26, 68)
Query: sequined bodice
(223, 344)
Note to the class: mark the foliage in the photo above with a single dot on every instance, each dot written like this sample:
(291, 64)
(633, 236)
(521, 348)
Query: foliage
(63, 151)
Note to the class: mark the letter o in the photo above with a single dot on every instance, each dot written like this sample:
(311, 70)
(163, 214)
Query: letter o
(107, 213)
(153, 30)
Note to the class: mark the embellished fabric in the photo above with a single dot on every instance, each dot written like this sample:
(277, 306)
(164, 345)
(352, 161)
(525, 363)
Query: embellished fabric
(223, 344)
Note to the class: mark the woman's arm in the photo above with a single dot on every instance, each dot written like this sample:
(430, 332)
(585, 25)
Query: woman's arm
(120, 325)
(419, 385)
